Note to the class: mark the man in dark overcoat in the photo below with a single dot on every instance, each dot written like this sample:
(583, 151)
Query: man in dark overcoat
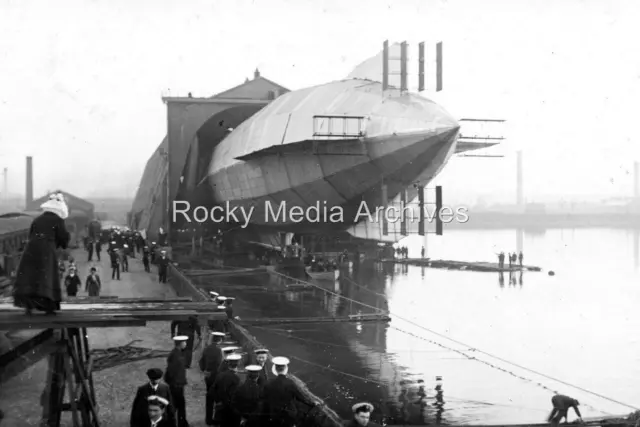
(176, 377)
(154, 387)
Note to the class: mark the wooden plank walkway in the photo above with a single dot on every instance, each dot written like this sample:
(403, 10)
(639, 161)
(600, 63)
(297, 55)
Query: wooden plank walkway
(462, 265)
(107, 313)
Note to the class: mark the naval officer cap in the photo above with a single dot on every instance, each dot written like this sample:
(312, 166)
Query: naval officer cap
(229, 349)
(280, 361)
(218, 334)
(180, 338)
(222, 307)
(234, 357)
(214, 294)
(253, 369)
(362, 407)
(222, 298)
(280, 366)
(154, 400)
(261, 351)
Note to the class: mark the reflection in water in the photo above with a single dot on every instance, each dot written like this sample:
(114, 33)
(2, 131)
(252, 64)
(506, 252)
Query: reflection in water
(520, 278)
(379, 362)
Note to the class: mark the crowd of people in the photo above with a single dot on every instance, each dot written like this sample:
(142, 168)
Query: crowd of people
(242, 390)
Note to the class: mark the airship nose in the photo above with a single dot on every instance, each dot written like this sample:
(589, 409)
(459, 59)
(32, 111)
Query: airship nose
(411, 117)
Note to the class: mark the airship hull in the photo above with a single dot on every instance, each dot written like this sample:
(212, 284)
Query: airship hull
(277, 160)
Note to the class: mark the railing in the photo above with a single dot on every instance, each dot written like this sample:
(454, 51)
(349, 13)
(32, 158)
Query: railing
(338, 127)
(481, 130)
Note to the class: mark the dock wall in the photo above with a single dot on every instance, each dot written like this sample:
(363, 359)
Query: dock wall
(324, 417)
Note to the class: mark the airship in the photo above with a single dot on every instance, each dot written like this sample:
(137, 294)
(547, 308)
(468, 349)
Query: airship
(322, 160)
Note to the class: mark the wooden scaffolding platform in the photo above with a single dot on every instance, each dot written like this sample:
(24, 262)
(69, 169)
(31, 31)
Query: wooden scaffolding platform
(65, 342)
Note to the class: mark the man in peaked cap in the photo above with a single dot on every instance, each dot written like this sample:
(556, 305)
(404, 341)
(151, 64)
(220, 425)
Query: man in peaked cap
(217, 324)
(361, 416)
(115, 263)
(224, 388)
(210, 362)
(145, 259)
(176, 378)
(226, 351)
(248, 398)
(163, 267)
(262, 354)
(280, 393)
(156, 410)
(154, 387)
(189, 328)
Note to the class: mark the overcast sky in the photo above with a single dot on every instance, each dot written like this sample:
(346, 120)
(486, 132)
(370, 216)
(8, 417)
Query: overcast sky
(81, 81)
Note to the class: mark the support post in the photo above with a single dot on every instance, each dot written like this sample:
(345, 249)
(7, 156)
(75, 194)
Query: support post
(69, 369)
(439, 67)
(403, 217)
(421, 60)
(438, 210)
(385, 65)
(385, 202)
(421, 225)
(403, 67)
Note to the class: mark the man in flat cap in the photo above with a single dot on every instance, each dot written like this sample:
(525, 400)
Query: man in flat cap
(154, 387)
(247, 400)
(361, 416)
(176, 378)
(280, 395)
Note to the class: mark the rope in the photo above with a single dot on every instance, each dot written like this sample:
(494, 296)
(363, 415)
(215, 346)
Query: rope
(475, 349)
(365, 288)
(387, 383)
(329, 344)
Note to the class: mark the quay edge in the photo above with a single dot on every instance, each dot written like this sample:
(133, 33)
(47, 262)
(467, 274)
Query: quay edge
(324, 416)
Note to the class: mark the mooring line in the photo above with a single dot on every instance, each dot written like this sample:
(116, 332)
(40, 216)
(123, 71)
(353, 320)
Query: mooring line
(387, 383)
(469, 346)
(289, 335)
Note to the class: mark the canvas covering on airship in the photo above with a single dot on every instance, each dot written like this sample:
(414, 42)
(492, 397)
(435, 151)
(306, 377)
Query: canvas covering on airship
(337, 143)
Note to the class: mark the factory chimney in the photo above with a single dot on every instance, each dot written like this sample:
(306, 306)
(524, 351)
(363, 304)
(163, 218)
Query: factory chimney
(636, 180)
(5, 176)
(519, 180)
(29, 191)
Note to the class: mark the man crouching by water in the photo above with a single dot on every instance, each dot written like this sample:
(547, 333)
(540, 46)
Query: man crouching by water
(561, 405)
(37, 284)
(361, 416)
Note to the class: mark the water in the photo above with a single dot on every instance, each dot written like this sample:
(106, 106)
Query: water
(579, 326)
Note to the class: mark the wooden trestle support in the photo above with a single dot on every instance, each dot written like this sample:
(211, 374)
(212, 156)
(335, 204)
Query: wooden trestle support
(64, 340)
(70, 371)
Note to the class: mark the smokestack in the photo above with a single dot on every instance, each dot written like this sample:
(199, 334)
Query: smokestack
(29, 180)
(5, 192)
(636, 179)
(519, 180)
